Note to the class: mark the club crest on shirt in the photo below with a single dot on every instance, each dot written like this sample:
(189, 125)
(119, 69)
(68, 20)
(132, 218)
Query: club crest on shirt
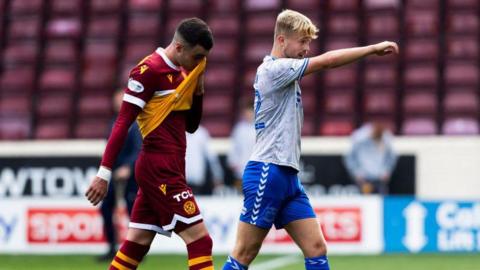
(189, 207)
(163, 188)
(170, 77)
(143, 68)
(135, 86)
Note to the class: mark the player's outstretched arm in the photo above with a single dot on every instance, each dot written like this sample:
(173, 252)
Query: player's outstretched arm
(337, 58)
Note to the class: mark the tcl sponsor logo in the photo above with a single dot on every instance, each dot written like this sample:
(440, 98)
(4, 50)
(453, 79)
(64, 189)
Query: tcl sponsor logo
(339, 225)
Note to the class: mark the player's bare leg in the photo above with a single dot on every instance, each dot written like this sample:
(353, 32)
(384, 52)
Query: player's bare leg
(309, 237)
(247, 245)
(199, 247)
(133, 249)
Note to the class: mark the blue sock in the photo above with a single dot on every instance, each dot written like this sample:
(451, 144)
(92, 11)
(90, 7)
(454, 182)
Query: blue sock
(232, 264)
(317, 263)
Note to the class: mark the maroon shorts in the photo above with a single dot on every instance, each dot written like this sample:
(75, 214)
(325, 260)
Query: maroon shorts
(164, 202)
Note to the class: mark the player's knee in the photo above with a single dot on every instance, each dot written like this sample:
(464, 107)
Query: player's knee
(247, 253)
(317, 248)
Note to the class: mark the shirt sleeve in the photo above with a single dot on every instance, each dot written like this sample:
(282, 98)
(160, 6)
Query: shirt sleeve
(141, 86)
(284, 71)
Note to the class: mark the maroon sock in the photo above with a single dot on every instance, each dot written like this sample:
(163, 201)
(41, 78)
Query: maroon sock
(129, 256)
(200, 254)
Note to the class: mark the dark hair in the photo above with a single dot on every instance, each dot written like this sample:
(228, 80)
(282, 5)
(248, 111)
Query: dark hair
(195, 31)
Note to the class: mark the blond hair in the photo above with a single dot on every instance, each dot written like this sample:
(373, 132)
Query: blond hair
(289, 22)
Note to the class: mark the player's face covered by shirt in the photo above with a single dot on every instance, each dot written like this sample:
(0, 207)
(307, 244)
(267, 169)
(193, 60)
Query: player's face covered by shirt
(189, 57)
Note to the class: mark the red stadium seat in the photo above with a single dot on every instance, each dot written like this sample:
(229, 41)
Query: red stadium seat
(103, 52)
(15, 128)
(339, 102)
(95, 104)
(422, 4)
(308, 128)
(461, 102)
(25, 28)
(25, 6)
(221, 77)
(380, 102)
(261, 25)
(55, 105)
(217, 104)
(422, 22)
(57, 79)
(103, 27)
(100, 77)
(15, 105)
(92, 128)
(10, 79)
(224, 25)
(382, 5)
(343, 25)
(463, 23)
(218, 126)
(60, 52)
(224, 7)
(143, 25)
(256, 50)
(462, 4)
(458, 73)
(341, 77)
(145, 5)
(419, 126)
(460, 126)
(136, 51)
(380, 75)
(225, 50)
(264, 5)
(309, 101)
(421, 75)
(336, 127)
(52, 129)
(64, 28)
(185, 6)
(422, 50)
(23, 53)
(384, 25)
(105, 6)
(420, 103)
(66, 7)
(334, 43)
(465, 48)
(344, 5)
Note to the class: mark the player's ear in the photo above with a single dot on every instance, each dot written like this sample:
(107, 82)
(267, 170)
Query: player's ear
(281, 40)
(178, 47)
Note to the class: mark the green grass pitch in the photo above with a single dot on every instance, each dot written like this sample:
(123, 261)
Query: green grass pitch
(178, 262)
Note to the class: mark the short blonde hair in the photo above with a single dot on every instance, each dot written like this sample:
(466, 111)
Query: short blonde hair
(289, 22)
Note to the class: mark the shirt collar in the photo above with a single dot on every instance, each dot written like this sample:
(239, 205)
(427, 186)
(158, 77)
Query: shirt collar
(161, 52)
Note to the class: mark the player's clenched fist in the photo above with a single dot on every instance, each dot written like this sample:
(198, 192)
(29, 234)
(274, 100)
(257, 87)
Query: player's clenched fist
(97, 190)
(386, 47)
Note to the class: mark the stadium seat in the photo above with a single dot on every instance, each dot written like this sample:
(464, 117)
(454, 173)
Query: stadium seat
(461, 73)
(136, 51)
(52, 129)
(336, 127)
(103, 27)
(261, 25)
(217, 104)
(9, 79)
(22, 7)
(143, 25)
(380, 75)
(221, 77)
(256, 50)
(463, 23)
(20, 53)
(145, 5)
(309, 101)
(225, 50)
(462, 4)
(218, 126)
(100, 77)
(222, 25)
(264, 5)
(460, 126)
(51, 106)
(339, 102)
(384, 25)
(57, 79)
(421, 22)
(462, 48)
(24, 28)
(92, 128)
(179, 6)
(344, 5)
(424, 103)
(64, 28)
(421, 75)
(422, 4)
(308, 128)
(60, 52)
(461, 102)
(100, 52)
(62, 7)
(105, 6)
(343, 24)
(15, 128)
(15, 105)
(419, 126)
(334, 43)
(380, 102)
(224, 7)
(303, 6)
(95, 104)
(422, 49)
(341, 77)
(382, 5)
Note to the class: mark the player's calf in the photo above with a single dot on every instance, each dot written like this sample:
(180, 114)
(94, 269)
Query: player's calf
(129, 256)
(200, 254)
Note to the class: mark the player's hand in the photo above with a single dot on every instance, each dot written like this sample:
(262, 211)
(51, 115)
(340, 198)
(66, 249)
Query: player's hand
(386, 47)
(200, 84)
(97, 190)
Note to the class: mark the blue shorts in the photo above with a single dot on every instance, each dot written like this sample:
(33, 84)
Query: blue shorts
(273, 195)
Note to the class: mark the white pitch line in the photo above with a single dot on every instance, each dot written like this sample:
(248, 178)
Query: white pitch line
(275, 263)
